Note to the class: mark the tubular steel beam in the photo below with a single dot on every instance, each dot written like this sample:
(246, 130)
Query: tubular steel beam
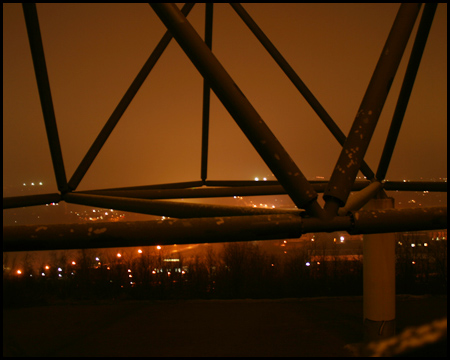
(212, 230)
(169, 208)
(415, 186)
(405, 92)
(250, 122)
(172, 191)
(45, 95)
(206, 95)
(361, 132)
(121, 107)
(30, 200)
(298, 83)
(192, 193)
(205, 192)
(358, 200)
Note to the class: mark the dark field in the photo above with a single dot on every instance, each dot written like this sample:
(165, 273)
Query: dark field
(286, 327)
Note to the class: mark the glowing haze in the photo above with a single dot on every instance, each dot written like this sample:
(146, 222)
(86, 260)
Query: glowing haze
(94, 51)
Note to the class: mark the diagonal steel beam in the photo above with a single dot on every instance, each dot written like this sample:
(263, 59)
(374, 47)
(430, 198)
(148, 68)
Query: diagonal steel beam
(40, 70)
(297, 82)
(250, 122)
(361, 132)
(405, 92)
(121, 107)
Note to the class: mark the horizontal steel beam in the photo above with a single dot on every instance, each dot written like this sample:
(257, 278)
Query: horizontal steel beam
(440, 186)
(30, 200)
(216, 229)
(178, 191)
(169, 208)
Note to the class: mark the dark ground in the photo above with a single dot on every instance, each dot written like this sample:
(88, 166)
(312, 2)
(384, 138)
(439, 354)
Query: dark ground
(287, 327)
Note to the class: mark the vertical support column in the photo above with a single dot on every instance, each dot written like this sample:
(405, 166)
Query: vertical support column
(379, 279)
(206, 95)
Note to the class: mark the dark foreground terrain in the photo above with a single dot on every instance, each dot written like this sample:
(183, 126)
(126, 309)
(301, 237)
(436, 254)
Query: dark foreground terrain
(286, 327)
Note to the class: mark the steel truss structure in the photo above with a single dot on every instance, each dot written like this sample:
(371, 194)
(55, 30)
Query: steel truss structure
(197, 223)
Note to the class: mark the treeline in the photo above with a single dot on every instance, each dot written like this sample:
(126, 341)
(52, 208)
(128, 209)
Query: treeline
(236, 270)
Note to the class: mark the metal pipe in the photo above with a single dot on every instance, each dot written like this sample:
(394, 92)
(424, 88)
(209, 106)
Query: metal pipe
(405, 92)
(121, 107)
(206, 95)
(416, 186)
(361, 132)
(205, 192)
(169, 208)
(358, 200)
(394, 220)
(178, 185)
(150, 192)
(192, 193)
(216, 229)
(30, 200)
(148, 233)
(253, 126)
(297, 81)
(45, 95)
